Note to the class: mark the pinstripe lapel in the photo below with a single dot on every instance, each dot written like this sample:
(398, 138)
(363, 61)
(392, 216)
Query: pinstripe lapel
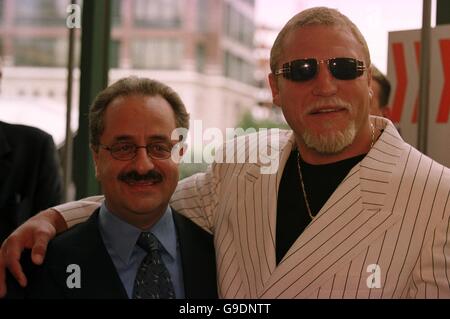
(255, 197)
(353, 217)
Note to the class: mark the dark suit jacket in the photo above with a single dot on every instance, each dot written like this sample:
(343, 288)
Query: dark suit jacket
(30, 178)
(83, 245)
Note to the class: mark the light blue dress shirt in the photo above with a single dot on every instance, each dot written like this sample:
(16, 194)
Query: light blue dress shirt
(120, 240)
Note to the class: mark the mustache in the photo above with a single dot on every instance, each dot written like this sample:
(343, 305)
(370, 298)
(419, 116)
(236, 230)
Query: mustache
(133, 176)
(335, 101)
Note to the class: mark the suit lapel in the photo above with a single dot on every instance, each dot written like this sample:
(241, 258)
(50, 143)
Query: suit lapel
(354, 216)
(100, 278)
(254, 203)
(197, 259)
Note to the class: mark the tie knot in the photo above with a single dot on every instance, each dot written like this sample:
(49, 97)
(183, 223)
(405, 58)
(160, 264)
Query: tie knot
(148, 242)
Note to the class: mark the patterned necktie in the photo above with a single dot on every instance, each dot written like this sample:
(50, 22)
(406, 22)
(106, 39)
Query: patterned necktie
(152, 279)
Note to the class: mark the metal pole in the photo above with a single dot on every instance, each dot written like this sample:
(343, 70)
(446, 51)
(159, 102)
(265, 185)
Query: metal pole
(424, 80)
(68, 148)
(94, 65)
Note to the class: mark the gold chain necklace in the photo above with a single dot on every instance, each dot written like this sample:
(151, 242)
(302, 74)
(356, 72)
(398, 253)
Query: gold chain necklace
(308, 208)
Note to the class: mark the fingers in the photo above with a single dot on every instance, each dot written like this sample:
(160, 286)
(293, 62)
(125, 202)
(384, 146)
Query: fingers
(2, 276)
(40, 247)
(34, 234)
(12, 253)
(10, 258)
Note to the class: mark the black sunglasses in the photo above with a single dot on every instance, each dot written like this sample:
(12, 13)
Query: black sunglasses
(306, 69)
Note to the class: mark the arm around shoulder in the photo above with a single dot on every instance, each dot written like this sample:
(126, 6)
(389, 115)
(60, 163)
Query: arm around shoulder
(196, 198)
(79, 211)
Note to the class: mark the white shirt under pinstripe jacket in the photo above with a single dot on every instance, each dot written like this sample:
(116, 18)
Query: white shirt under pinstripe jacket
(386, 227)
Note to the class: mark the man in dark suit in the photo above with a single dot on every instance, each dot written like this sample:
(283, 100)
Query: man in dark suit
(83, 246)
(135, 245)
(30, 177)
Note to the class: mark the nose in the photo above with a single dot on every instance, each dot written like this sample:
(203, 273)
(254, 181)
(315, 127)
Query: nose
(324, 82)
(142, 162)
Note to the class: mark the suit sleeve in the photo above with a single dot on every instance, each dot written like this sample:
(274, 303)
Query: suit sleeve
(49, 190)
(431, 275)
(79, 211)
(196, 198)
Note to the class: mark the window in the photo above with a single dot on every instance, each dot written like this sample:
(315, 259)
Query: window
(48, 52)
(114, 53)
(2, 9)
(156, 53)
(238, 69)
(234, 24)
(157, 13)
(201, 57)
(116, 9)
(226, 19)
(41, 12)
(247, 32)
(202, 16)
(238, 27)
(250, 2)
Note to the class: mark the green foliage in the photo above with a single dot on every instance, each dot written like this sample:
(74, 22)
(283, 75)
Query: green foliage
(248, 121)
(188, 169)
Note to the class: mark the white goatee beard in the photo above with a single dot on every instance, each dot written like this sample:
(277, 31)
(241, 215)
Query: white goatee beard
(332, 142)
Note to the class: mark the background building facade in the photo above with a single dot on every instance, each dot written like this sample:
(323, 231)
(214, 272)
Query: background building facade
(202, 48)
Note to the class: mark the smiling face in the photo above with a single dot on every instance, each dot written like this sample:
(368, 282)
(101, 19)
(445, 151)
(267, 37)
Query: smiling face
(327, 115)
(138, 190)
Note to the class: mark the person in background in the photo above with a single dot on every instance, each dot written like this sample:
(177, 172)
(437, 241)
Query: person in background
(351, 211)
(381, 90)
(30, 177)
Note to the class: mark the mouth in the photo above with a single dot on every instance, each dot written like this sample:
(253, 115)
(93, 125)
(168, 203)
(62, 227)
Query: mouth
(142, 183)
(143, 187)
(327, 110)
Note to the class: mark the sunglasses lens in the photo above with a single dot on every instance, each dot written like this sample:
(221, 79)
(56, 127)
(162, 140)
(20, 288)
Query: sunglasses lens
(306, 69)
(303, 70)
(344, 68)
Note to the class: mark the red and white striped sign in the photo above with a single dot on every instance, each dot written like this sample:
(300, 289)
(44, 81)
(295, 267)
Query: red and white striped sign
(403, 72)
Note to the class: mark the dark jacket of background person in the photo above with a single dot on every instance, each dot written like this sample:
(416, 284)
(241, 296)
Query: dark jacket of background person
(30, 178)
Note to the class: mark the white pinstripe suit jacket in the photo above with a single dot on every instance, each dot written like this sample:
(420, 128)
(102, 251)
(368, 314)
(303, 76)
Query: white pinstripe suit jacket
(391, 210)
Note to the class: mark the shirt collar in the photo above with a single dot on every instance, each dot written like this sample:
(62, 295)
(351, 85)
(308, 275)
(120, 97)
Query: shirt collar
(122, 237)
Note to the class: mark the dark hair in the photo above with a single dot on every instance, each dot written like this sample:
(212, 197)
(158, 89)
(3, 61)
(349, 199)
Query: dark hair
(385, 86)
(132, 86)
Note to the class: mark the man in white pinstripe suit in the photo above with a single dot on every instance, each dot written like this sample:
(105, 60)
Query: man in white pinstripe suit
(352, 212)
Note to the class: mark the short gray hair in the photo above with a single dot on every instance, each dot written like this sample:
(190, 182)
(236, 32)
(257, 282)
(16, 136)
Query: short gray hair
(127, 87)
(315, 16)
